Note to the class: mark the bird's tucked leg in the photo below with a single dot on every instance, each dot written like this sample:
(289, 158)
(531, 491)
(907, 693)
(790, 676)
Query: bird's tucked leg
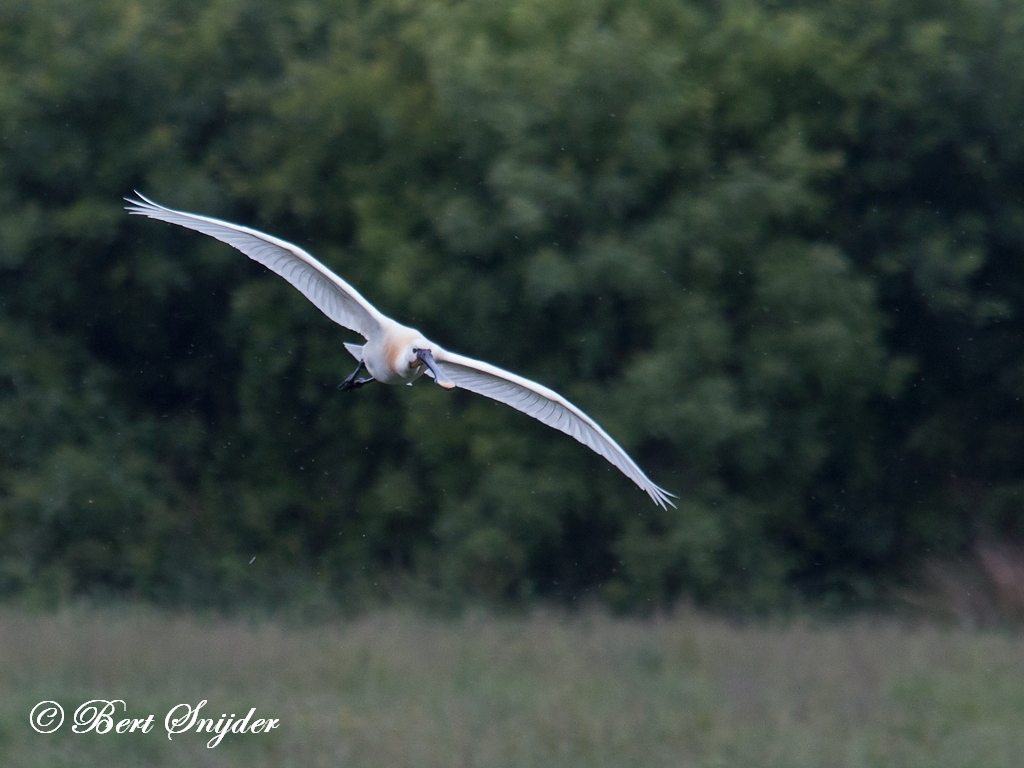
(427, 358)
(351, 382)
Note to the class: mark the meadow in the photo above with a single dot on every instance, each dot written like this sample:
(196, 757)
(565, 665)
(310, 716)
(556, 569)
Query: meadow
(542, 689)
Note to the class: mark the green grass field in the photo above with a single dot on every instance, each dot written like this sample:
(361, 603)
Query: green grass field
(395, 689)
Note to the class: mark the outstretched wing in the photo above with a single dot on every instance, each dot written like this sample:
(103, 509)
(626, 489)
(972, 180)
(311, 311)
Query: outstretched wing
(546, 406)
(328, 292)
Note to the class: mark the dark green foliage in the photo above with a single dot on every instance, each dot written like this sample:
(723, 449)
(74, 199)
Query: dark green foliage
(772, 248)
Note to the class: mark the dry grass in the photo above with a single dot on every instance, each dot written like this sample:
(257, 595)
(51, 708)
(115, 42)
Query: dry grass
(984, 588)
(546, 690)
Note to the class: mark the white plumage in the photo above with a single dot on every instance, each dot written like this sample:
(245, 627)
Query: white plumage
(394, 353)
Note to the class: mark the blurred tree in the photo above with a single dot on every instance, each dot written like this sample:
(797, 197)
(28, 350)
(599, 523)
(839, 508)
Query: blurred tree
(932, 206)
(768, 246)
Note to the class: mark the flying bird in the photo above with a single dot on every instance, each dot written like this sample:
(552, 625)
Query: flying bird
(396, 354)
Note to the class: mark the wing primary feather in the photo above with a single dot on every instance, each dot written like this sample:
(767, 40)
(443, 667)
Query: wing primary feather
(550, 408)
(329, 293)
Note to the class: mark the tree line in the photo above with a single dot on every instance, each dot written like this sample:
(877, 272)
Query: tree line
(774, 248)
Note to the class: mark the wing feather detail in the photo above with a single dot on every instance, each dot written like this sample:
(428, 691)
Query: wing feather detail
(329, 293)
(548, 407)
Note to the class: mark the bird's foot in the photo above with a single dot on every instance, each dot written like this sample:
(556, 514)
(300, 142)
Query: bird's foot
(348, 384)
(351, 382)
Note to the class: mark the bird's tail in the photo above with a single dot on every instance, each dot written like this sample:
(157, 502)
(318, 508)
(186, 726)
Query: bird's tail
(356, 350)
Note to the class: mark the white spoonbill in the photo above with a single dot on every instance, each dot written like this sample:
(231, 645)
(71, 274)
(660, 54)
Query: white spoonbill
(396, 354)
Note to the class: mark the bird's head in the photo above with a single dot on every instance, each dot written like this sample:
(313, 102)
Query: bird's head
(401, 353)
(421, 355)
(409, 355)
